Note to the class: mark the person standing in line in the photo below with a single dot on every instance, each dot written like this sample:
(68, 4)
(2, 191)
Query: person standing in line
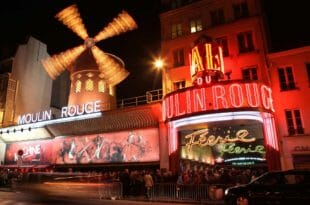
(149, 183)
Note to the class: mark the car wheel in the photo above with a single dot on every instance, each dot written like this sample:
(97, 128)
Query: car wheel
(241, 200)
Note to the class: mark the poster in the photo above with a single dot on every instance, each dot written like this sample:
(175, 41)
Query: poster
(127, 146)
(34, 152)
(140, 145)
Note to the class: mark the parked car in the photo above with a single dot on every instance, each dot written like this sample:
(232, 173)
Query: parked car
(277, 187)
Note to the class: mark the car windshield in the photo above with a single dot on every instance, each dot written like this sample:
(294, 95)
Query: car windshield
(278, 178)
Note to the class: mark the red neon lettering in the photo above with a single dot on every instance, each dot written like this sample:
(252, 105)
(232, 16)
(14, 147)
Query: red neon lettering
(251, 93)
(236, 92)
(199, 81)
(199, 99)
(218, 93)
(188, 102)
(267, 101)
(177, 106)
(169, 106)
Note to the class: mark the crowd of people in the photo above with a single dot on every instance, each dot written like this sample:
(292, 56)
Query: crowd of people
(139, 182)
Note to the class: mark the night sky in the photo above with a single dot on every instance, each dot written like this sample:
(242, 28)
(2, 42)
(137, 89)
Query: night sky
(20, 19)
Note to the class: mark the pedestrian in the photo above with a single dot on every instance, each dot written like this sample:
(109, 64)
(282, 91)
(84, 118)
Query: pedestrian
(148, 181)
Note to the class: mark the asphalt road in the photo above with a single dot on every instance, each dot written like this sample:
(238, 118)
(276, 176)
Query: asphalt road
(20, 198)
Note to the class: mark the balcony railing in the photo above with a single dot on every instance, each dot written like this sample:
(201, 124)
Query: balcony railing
(149, 97)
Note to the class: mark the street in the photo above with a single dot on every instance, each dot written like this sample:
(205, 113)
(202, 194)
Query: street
(19, 198)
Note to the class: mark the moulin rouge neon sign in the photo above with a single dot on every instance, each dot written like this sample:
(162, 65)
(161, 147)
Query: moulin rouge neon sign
(218, 97)
(67, 111)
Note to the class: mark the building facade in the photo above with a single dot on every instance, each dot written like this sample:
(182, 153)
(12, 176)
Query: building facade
(239, 27)
(222, 103)
(290, 77)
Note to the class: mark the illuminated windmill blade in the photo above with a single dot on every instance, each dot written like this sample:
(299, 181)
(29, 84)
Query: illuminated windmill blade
(122, 23)
(70, 17)
(118, 77)
(113, 71)
(59, 62)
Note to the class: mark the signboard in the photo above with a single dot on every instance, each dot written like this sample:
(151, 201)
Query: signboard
(67, 111)
(217, 97)
(29, 153)
(228, 143)
(127, 146)
(206, 60)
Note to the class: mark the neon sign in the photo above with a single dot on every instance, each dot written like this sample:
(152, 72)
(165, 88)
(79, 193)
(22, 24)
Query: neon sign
(206, 59)
(232, 148)
(223, 142)
(217, 97)
(67, 111)
(200, 138)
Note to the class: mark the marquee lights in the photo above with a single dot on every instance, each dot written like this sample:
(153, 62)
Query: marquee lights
(246, 115)
(218, 97)
(244, 159)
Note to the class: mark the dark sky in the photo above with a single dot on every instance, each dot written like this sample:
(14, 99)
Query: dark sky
(21, 18)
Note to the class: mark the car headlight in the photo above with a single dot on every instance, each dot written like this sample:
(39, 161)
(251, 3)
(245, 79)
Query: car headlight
(226, 192)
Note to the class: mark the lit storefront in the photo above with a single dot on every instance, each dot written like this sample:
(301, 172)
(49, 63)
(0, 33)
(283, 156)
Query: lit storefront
(113, 138)
(115, 147)
(220, 122)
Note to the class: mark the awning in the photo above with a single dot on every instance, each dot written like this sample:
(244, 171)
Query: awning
(114, 120)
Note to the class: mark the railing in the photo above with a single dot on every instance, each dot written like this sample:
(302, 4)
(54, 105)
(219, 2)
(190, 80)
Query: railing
(197, 192)
(111, 191)
(149, 97)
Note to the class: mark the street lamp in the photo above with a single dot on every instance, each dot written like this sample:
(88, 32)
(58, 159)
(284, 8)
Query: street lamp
(159, 64)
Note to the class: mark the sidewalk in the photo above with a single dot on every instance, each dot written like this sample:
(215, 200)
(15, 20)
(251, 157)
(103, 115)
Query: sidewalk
(168, 200)
(144, 199)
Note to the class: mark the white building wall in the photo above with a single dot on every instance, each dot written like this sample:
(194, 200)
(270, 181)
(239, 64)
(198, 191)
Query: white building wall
(34, 84)
(2, 152)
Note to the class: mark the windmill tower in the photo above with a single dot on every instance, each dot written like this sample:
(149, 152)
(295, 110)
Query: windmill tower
(93, 73)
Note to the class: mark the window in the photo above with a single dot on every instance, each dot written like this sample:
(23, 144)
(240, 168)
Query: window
(176, 30)
(224, 44)
(89, 86)
(308, 72)
(179, 85)
(178, 57)
(245, 42)
(294, 122)
(286, 78)
(78, 86)
(241, 10)
(217, 17)
(249, 74)
(101, 86)
(196, 25)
